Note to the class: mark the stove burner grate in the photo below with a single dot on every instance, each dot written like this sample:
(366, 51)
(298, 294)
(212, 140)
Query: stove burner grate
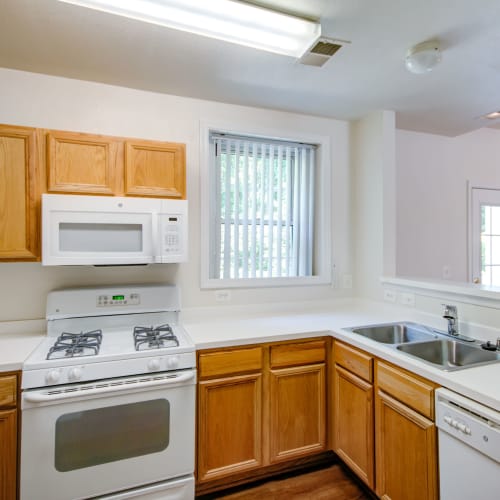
(71, 345)
(146, 338)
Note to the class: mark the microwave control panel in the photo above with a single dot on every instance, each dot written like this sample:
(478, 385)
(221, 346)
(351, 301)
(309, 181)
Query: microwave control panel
(171, 235)
(124, 299)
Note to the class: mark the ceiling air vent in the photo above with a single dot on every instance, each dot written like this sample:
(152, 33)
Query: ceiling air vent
(321, 50)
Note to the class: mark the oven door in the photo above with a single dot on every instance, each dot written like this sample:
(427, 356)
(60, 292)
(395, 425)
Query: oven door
(84, 440)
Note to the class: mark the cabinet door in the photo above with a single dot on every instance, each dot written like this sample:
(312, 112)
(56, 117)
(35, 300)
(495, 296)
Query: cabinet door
(297, 411)
(406, 453)
(8, 454)
(229, 426)
(19, 216)
(353, 425)
(155, 169)
(82, 163)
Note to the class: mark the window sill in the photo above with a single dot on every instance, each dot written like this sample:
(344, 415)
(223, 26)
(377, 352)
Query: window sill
(265, 282)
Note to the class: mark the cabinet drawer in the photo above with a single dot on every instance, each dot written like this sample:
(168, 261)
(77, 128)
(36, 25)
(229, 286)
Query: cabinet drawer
(413, 391)
(298, 353)
(8, 390)
(355, 361)
(229, 361)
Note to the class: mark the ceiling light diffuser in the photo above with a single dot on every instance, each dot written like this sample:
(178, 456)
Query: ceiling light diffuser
(493, 116)
(423, 57)
(227, 20)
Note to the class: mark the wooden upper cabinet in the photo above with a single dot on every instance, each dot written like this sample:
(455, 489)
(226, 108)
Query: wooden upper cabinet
(81, 163)
(19, 216)
(155, 169)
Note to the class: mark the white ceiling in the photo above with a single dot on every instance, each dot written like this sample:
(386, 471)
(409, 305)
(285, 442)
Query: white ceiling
(47, 36)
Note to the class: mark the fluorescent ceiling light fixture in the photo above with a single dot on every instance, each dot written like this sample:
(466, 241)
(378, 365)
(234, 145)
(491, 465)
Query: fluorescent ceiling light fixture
(423, 57)
(227, 20)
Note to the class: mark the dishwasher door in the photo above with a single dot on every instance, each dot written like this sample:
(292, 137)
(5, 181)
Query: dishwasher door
(469, 448)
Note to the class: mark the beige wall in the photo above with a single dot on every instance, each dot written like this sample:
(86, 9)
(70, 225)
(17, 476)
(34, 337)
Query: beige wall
(44, 101)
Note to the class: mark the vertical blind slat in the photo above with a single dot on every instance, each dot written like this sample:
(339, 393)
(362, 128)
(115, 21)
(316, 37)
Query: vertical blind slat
(310, 222)
(296, 214)
(289, 270)
(215, 260)
(279, 225)
(262, 210)
(270, 207)
(254, 211)
(227, 211)
(236, 210)
(245, 210)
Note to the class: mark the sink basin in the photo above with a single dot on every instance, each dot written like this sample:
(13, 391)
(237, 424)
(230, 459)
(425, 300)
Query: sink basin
(449, 354)
(394, 333)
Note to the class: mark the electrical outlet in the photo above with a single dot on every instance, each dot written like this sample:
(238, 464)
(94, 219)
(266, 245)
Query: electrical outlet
(390, 296)
(347, 281)
(223, 295)
(407, 299)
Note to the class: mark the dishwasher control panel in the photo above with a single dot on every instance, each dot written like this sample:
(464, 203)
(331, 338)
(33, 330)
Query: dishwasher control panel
(469, 422)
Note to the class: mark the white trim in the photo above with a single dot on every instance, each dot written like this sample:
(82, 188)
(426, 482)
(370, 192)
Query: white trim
(491, 196)
(323, 247)
(481, 295)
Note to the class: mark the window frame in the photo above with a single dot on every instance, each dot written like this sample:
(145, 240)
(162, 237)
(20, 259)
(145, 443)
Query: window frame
(322, 248)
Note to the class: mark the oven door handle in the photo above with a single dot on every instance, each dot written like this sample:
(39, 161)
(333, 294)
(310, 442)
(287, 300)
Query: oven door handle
(130, 385)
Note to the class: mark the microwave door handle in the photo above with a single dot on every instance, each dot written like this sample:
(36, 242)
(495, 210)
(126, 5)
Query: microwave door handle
(106, 388)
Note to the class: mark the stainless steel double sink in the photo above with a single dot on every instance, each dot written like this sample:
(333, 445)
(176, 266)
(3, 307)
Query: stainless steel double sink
(428, 345)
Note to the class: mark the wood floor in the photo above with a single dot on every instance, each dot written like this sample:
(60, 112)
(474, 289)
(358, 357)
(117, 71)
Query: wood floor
(332, 483)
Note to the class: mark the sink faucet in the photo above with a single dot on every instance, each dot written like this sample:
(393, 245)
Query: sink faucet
(451, 314)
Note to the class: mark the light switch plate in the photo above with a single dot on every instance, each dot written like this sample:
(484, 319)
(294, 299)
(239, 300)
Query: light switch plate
(390, 296)
(407, 299)
(223, 295)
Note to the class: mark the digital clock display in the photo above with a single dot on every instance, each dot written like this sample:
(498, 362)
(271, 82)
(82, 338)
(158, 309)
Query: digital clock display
(118, 297)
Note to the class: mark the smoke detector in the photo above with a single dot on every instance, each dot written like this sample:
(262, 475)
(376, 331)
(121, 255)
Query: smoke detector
(321, 51)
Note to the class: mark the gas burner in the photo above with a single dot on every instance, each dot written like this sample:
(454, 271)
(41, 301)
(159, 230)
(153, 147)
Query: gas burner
(146, 338)
(70, 345)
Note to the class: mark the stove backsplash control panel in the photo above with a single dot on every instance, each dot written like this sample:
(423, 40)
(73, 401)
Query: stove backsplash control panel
(119, 299)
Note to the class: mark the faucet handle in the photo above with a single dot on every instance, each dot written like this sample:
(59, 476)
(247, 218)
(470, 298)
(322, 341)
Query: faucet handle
(450, 312)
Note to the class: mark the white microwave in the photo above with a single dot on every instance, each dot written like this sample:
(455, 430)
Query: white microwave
(98, 230)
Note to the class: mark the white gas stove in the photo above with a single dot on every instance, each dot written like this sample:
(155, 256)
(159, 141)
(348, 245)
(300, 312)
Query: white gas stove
(108, 398)
(96, 333)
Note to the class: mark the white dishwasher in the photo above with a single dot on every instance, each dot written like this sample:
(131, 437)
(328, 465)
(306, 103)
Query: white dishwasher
(469, 448)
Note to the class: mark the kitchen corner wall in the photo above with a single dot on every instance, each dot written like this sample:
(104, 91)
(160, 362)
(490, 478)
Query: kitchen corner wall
(58, 103)
(373, 198)
(432, 176)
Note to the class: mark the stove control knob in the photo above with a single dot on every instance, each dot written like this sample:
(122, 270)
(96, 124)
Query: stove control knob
(53, 376)
(153, 365)
(172, 362)
(75, 374)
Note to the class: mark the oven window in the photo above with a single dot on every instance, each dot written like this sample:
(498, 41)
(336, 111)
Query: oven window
(103, 435)
(96, 237)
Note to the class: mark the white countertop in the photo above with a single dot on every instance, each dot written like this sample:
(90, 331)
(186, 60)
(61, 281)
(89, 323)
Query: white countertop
(222, 328)
(17, 340)
(229, 326)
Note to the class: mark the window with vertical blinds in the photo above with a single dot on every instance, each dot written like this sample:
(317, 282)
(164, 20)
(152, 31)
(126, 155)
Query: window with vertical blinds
(262, 205)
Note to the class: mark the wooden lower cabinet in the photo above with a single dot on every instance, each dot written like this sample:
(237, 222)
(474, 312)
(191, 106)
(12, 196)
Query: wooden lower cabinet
(261, 410)
(406, 452)
(230, 425)
(297, 411)
(8, 454)
(353, 423)
(8, 436)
